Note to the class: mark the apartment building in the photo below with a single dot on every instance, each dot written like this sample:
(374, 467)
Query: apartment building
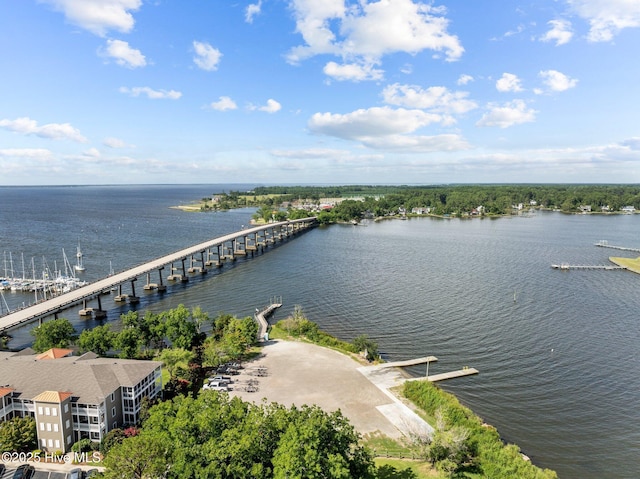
(74, 397)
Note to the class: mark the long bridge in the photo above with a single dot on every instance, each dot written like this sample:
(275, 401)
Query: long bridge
(199, 257)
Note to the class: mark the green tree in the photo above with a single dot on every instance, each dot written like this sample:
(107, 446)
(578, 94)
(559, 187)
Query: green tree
(215, 436)
(57, 333)
(174, 358)
(137, 457)
(363, 343)
(319, 445)
(99, 339)
(128, 342)
(181, 330)
(18, 435)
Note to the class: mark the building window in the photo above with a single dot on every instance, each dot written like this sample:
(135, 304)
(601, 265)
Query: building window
(40, 411)
(54, 411)
(57, 443)
(43, 442)
(55, 428)
(66, 408)
(113, 412)
(67, 424)
(42, 426)
(69, 439)
(49, 427)
(50, 442)
(113, 396)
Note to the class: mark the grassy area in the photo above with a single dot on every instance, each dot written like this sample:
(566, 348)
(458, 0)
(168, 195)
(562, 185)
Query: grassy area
(632, 264)
(404, 469)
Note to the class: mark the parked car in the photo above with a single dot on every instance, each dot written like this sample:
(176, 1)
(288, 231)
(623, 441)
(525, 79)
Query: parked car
(75, 473)
(220, 379)
(216, 386)
(91, 473)
(24, 471)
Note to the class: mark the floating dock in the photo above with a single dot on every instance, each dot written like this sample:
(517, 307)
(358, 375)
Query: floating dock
(408, 362)
(452, 374)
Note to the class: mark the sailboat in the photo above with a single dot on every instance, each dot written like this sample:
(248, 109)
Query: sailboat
(78, 266)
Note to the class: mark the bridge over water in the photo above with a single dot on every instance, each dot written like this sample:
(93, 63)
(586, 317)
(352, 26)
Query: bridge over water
(199, 257)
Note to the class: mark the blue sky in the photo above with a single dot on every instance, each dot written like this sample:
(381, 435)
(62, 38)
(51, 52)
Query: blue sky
(319, 91)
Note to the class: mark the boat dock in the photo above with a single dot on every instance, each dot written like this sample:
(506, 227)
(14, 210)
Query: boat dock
(450, 375)
(605, 244)
(566, 266)
(408, 362)
(261, 317)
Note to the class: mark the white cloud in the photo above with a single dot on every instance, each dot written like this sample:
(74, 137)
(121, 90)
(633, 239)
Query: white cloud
(560, 32)
(115, 143)
(38, 154)
(508, 82)
(369, 30)
(224, 103)
(310, 153)
(252, 10)
(436, 98)
(272, 106)
(123, 54)
(98, 16)
(207, 57)
(417, 143)
(352, 71)
(52, 131)
(509, 114)
(557, 81)
(377, 121)
(607, 17)
(150, 93)
(464, 79)
(386, 128)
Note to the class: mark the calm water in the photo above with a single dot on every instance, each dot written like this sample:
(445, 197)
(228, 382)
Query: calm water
(559, 366)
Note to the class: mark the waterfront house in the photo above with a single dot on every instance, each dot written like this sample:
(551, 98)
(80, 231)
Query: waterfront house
(74, 397)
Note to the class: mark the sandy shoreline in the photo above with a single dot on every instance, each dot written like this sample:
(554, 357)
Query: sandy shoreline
(302, 373)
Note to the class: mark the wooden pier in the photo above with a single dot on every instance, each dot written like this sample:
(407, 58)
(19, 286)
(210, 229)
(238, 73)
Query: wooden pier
(605, 244)
(566, 266)
(262, 315)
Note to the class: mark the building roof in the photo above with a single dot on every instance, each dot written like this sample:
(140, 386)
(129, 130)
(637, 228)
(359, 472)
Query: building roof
(5, 391)
(54, 353)
(52, 396)
(87, 377)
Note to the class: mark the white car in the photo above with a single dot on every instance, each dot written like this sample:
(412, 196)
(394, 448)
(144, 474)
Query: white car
(215, 386)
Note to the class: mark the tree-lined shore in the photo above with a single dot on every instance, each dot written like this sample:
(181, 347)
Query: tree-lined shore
(344, 203)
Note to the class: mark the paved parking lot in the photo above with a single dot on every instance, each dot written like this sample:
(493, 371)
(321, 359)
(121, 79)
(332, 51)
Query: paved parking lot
(301, 373)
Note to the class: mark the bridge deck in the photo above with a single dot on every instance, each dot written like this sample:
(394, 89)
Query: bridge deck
(66, 300)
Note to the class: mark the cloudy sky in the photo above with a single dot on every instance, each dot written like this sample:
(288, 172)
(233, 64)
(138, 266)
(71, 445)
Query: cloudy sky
(319, 91)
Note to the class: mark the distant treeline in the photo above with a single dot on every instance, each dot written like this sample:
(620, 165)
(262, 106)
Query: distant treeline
(460, 199)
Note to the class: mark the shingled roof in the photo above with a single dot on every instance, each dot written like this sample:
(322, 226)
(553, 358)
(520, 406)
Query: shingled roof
(88, 377)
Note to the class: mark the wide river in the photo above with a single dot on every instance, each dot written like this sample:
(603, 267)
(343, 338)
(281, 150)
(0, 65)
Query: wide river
(557, 351)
